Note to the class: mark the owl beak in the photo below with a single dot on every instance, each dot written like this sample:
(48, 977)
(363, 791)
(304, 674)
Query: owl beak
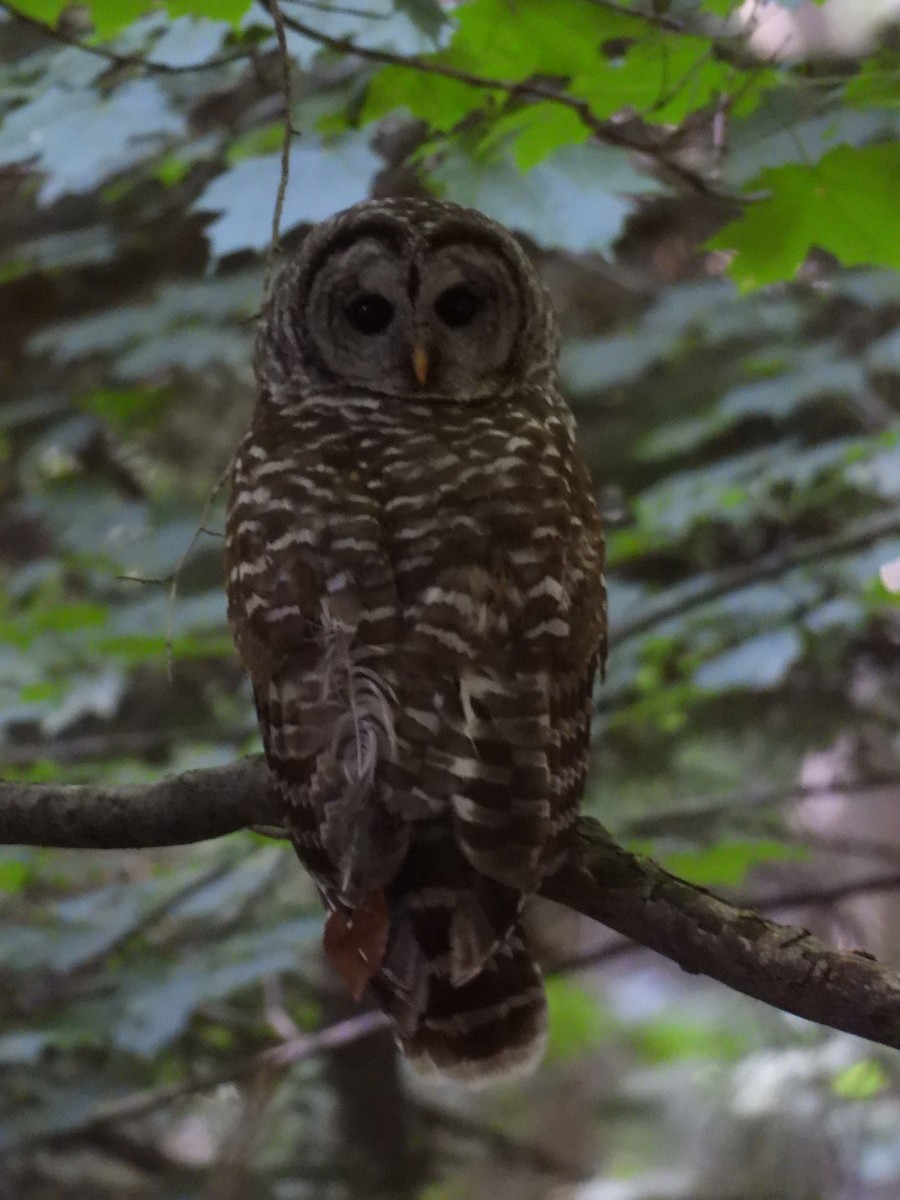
(420, 362)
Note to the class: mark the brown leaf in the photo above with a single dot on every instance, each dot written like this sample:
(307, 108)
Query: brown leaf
(355, 945)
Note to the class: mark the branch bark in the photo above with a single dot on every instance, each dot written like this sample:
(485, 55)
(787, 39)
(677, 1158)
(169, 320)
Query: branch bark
(778, 964)
(174, 811)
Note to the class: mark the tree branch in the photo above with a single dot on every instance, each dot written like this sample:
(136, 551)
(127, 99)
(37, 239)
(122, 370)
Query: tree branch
(121, 60)
(172, 812)
(272, 1059)
(779, 964)
(675, 602)
(650, 142)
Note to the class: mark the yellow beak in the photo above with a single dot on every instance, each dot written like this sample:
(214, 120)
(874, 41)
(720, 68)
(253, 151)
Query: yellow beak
(420, 363)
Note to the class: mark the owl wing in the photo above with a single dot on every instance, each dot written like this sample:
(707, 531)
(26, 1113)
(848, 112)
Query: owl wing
(500, 659)
(494, 734)
(314, 613)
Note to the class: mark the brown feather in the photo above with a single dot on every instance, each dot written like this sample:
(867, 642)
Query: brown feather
(415, 588)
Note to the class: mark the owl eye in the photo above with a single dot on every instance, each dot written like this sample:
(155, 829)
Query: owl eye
(370, 313)
(457, 306)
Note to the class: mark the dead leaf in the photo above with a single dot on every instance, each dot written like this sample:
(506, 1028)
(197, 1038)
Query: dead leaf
(355, 944)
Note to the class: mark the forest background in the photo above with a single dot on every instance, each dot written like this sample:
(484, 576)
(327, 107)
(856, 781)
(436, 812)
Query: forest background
(710, 190)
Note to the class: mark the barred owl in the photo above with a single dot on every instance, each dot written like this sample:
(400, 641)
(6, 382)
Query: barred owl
(414, 573)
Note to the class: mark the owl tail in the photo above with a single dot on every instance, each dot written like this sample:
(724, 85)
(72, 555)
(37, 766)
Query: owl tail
(457, 979)
(490, 1029)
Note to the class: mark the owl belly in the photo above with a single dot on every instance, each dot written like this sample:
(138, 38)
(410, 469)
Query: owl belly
(433, 640)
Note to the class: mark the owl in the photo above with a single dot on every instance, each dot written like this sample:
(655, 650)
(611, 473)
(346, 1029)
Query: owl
(414, 572)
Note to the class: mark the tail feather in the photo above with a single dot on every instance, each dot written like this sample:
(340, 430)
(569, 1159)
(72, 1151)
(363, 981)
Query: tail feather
(490, 1028)
(457, 978)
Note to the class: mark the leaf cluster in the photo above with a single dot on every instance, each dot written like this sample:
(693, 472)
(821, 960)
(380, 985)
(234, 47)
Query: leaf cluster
(743, 442)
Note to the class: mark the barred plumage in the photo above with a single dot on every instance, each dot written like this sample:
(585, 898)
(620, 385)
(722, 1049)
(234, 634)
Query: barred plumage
(414, 568)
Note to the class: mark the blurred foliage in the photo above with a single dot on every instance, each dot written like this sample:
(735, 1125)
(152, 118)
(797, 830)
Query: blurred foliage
(745, 446)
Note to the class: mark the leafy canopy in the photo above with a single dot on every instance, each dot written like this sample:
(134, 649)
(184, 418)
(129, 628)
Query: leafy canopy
(743, 444)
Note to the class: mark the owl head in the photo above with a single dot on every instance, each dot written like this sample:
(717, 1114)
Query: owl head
(408, 298)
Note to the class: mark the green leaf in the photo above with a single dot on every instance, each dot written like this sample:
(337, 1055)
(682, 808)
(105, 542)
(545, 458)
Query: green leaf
(878, 83)
(170, 169)
(136, 650)
(663, 77)
(860, 1081)
(23, 629)
(726, 864)
(263, 140)
(48, 11)
(441, 102)
(720, 8)
(495, 40)
(127, 411)
(515, 42)
(535, 132)
(578, 1022)
(845, 204)
(41, 690)
(15, 869)
(112, 16)
(210, 10)
(665, 1040)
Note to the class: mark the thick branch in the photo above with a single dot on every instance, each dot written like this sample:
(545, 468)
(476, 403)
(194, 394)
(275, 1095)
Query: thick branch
(172, 812)
(779, 964)
(782, 965)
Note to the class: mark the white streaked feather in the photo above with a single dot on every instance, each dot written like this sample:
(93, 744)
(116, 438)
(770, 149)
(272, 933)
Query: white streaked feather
(362, 735)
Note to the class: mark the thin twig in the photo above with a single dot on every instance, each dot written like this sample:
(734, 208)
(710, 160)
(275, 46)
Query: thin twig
(607, 131)
(660, 20)
(277, 1016)
(817, 897)
(274, 1058)
(677, 601)
(534, 1158)
(116, 743)
(277, 16)
(121, 60)
(145, 921)
(344, 10)
(179, 566)
(703, 812)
